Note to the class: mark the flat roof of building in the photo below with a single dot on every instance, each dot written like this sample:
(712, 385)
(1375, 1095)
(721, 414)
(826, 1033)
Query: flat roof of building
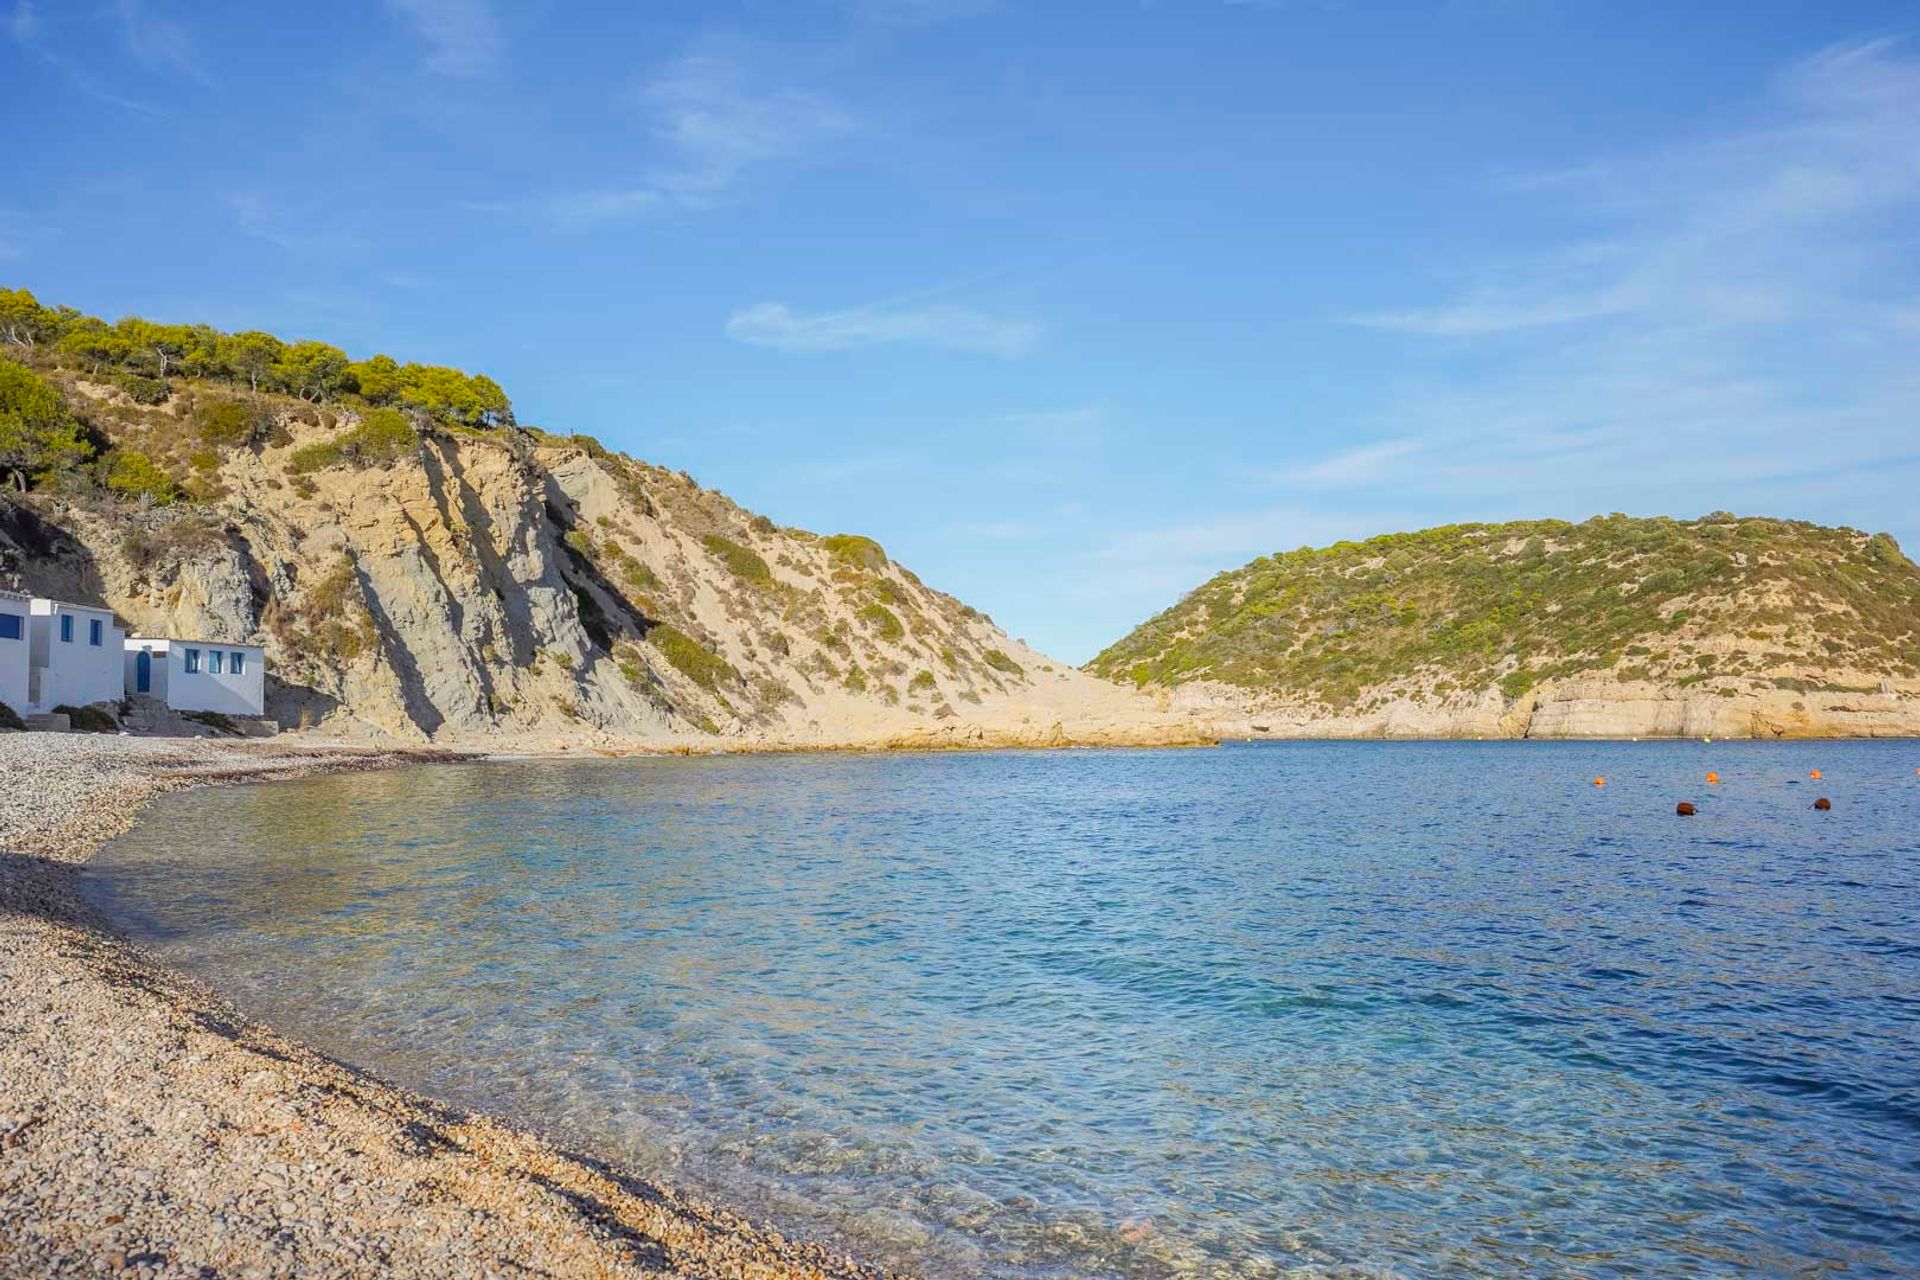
(229, 644)
(68, 604)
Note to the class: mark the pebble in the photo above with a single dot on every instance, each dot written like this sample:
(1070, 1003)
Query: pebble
(136, 1139)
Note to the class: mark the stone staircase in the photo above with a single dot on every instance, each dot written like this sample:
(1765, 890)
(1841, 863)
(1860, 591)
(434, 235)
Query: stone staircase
(50, 722)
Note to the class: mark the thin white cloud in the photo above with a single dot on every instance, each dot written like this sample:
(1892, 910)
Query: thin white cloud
(463, 37)
(157, 42)
(714, 129)
(1493, 312)
(1739, 334)
(261, 219)
(720, 127)
(941, 326)
(1359, 466)
(23, 24)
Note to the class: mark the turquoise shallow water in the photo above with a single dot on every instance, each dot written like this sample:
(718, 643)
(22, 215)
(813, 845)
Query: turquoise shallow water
(1340, 1008)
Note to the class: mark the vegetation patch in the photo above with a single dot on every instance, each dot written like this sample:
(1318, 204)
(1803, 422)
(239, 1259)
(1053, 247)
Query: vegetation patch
(88, 719)
(855, 550)
(10, 720)
(743, 562)
(134, 475)
(39, 437)
(1513, 605)
(140, 356)
(999, 661)
(380, 439)
(883, 622)
(691, 658)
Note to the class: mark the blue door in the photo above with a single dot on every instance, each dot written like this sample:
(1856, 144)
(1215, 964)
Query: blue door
(143, 672)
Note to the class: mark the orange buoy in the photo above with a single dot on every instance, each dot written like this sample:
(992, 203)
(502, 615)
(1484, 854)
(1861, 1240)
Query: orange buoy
(1684, 809)
(1823, 804)
(1601, 782)
(1813, 773)
(1713, 777)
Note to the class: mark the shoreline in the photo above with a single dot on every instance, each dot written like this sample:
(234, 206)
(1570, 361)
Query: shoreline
(147, 1127)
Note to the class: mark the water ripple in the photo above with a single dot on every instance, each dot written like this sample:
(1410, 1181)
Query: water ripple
(1382, 1010)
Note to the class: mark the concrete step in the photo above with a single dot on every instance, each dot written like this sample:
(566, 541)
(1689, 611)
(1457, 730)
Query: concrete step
(50, 722)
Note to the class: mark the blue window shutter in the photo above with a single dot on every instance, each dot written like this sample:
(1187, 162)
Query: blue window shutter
(94, 630)
(66, 628)
(9, 626)
(239, 663)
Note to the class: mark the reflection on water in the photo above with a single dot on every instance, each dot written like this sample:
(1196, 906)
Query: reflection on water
(1421, 1010)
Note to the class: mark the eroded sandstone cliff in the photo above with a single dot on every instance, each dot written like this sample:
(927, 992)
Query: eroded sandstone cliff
(514, 586)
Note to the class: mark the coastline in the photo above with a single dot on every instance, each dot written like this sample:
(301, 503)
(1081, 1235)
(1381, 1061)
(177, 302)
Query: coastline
(148, 1128)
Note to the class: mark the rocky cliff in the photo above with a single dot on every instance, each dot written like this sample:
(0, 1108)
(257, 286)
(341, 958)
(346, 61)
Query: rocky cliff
(414, 580)
(1723, 627)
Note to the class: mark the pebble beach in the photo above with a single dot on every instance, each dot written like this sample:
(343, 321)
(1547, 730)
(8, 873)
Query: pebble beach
(147, 1128)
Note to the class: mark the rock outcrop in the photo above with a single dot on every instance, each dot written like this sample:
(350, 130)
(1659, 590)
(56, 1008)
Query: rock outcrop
(514, 587)
(1589, 709)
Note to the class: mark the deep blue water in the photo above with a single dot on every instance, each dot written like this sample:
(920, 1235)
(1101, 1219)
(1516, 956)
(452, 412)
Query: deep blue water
(1346, 1008)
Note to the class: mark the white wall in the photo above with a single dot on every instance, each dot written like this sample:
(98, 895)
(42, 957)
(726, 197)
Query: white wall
(235, 695)
(13, 657)
(77, 672)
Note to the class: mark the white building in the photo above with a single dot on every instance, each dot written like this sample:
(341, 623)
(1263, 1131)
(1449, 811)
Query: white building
(197, 675)
(16, 628)
(74, 656)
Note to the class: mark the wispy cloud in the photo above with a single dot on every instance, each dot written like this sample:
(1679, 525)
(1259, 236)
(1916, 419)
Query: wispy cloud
(23, 23)
(939, 325)
(1350, 467)
(463, 37)
(157, 42)
(25, 27)
(713, 128)
(1734, 328)
(260, 218)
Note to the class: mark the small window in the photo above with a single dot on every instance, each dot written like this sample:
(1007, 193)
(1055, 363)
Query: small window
(192, 661)
(9, 626)
(213, 662)
(239, 663)
(95, 629)
(66, 628)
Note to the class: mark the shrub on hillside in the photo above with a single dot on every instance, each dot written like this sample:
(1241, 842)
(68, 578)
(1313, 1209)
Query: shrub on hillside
(229, 424)
(1002, 663)
(883, 622)
(144, 390)
(380, 438)
(133, 474)
(743, 561)
(690, 658)
(855, 550)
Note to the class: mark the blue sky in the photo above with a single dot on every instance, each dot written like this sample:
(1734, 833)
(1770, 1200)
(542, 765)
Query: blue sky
(1071, 305)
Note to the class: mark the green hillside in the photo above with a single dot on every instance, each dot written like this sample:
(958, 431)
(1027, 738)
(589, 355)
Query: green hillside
(1726, 603)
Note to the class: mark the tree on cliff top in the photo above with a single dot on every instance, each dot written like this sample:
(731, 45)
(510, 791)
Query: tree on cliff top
(37, 434)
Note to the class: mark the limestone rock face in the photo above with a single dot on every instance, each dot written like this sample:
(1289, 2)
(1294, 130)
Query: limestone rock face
(517, 588)
(1585, 709)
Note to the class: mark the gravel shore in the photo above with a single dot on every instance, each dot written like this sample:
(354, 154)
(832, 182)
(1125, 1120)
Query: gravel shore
(148, 1129)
